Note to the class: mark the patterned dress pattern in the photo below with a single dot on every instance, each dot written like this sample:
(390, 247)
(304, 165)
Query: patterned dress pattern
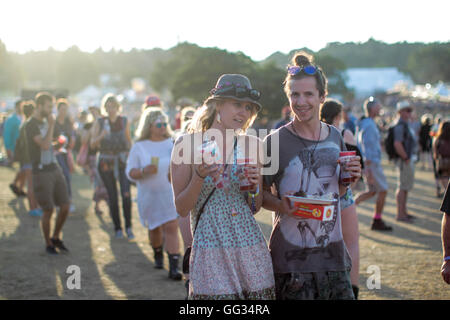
(229, 258)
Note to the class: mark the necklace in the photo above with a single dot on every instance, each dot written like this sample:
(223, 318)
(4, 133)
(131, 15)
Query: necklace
(301, 139)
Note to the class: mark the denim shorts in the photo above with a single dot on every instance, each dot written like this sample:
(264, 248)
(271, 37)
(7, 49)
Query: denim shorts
(379, 183)
(26, 166)
(346, 200)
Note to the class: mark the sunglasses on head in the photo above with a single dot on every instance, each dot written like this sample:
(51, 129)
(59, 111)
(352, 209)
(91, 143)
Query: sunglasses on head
(309, 70)
(159, 125)
(238, 92)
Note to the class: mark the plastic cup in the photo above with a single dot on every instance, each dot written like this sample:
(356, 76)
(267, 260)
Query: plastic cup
(344, 157)
(155, 161)
(245, 184)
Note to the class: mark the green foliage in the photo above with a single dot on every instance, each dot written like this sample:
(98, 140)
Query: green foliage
(430, 64)
(372, 54)
(76, 70)
(10, 73)
(192, 71)
(268, 78)
(188, 70)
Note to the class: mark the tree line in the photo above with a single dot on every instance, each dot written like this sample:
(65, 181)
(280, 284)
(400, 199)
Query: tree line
(188, 70)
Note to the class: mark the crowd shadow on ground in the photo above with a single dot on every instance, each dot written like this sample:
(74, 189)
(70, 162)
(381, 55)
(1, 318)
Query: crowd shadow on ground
(379, 289)
(133, 269)
(28, 272)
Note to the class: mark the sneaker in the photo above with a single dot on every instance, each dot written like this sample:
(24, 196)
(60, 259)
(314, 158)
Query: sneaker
(405, 219)
(35, 212)
(119, 234)
(59, 244)
(51, 250)
(130, 234)
(379, 225)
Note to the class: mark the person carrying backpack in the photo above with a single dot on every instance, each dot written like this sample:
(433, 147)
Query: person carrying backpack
(405, 146)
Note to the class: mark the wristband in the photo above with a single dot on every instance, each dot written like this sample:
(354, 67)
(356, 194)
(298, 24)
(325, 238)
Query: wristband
(254, 194)
(447, 258)
(142, 171)
(195, 169)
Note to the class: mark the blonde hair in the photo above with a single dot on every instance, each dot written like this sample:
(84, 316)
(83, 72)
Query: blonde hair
(204, 117)
(148, 117)
(60, 102)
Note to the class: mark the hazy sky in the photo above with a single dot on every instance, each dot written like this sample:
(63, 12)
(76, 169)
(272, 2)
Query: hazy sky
(257, 28)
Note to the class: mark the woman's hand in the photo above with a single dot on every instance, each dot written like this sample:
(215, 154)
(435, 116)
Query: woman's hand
(252, 174)
(203, 170)
(150, 169)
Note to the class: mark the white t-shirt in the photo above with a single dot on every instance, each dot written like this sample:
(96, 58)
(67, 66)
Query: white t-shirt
(155, 197)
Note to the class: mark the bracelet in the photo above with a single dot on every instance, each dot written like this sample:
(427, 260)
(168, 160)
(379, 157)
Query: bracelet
(254, 194)
(447, 258)
(195, 169)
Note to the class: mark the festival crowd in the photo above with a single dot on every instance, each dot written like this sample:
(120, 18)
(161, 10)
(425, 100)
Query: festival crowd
(204, 175)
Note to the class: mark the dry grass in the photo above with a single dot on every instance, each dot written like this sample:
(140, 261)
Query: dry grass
(409, 258)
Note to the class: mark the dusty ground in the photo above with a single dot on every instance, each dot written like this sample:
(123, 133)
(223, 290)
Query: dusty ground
(409, 258)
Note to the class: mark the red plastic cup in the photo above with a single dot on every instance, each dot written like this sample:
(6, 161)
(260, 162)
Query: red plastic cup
(62, 139)
(344, 157)
(245, 184)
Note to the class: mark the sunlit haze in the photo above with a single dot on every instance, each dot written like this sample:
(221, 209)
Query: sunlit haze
(257, 28)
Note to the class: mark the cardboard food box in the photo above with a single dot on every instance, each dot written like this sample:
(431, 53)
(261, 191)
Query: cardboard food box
(312, 208)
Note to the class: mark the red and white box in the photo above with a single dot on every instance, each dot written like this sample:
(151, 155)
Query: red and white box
(313, 208)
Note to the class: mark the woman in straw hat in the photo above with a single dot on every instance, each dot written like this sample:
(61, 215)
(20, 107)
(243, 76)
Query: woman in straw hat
(229, 257)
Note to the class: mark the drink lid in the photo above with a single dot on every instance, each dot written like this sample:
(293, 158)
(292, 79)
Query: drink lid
(347, 153)
(244, 161)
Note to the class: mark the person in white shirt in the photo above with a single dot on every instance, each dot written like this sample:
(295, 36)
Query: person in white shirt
(148, 165)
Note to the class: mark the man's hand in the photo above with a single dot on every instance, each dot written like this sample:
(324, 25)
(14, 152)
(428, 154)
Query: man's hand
(51, 120)
(353, 167)
(285, 206)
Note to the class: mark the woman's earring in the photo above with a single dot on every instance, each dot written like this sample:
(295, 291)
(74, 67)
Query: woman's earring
(218, 118)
